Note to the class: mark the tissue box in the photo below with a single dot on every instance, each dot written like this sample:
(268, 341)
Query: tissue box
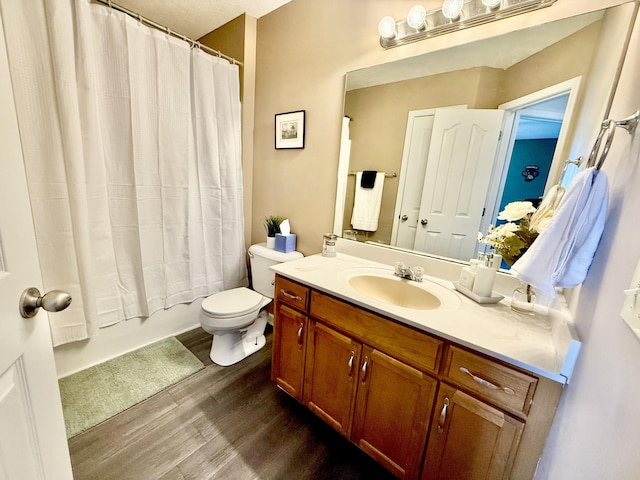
(285, 243)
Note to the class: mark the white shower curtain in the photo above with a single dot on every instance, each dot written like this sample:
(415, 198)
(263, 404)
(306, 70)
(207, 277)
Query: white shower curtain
(131, 142)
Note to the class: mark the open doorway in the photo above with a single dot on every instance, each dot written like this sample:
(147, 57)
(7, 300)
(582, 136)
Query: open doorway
(536, 136)
(535, 133)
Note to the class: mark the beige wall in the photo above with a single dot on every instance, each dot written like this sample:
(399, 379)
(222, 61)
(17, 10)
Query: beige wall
(304, 50)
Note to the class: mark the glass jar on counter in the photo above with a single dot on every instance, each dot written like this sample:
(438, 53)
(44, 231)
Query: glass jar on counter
(329, 245)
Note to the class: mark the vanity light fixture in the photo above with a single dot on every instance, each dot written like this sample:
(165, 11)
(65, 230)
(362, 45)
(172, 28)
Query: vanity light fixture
(491, 3)
(417, 17)
(453, 16)
(452, 9)
(387, 28)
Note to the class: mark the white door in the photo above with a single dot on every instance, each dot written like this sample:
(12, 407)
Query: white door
(459, 167)
(33, 443)
(414, 163)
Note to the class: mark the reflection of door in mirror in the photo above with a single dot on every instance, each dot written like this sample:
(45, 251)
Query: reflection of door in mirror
(442, 191)
(459, 166)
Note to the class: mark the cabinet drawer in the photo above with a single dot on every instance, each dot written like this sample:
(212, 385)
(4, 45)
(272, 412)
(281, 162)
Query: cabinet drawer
(403, 343)
(292, 294)
(504, 386)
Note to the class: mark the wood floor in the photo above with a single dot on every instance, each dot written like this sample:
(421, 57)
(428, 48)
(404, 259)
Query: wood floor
(221, 423)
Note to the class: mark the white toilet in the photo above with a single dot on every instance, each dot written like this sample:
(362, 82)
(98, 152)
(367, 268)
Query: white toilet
(234, 317)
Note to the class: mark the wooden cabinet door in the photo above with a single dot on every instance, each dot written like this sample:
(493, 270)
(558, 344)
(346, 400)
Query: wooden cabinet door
(331, 376)
(392, 413)
(287, 365)
(469, 439)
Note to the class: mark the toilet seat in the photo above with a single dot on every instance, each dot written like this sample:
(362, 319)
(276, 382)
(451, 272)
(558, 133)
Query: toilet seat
(232, 303)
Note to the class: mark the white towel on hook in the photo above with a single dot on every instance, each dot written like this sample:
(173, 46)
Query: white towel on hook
(562, 254)
(366, 204)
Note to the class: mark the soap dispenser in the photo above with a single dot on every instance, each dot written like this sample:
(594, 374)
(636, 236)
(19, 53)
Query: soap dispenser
(485, 276)
(468, 274)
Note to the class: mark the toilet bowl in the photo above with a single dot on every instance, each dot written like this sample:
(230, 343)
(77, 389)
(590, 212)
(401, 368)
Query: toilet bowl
(234, 317)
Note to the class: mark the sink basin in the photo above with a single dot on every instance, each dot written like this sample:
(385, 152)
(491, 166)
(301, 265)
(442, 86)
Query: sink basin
(394, 291)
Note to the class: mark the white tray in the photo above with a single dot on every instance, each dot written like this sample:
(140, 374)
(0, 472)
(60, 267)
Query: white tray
(476, 298)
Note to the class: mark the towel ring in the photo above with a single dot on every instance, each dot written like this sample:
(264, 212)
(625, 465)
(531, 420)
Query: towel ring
(609, 125)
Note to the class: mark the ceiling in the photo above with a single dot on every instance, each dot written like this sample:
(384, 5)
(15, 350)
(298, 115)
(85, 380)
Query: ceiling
(196, 18)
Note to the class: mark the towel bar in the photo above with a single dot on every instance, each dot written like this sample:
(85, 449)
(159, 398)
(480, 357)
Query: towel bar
(386, 175)
(629, 124)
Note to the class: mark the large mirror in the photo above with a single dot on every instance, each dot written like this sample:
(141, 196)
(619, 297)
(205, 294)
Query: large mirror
(460, 133)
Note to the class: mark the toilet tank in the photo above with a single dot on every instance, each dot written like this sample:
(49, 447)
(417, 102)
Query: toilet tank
(261, 259)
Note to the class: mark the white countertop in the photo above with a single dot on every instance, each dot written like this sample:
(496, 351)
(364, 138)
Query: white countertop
(542, 342)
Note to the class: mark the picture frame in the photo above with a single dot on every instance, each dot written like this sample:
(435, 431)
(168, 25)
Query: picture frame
(290, 130)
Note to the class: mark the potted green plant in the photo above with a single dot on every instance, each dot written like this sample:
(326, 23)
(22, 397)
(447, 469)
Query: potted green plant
(272, 226)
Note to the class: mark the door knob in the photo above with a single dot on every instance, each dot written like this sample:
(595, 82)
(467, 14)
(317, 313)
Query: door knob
(53, 301)
(404, 218)
(424, 221)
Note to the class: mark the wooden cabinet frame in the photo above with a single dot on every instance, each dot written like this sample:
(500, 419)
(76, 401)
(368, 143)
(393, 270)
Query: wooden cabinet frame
(358, 371)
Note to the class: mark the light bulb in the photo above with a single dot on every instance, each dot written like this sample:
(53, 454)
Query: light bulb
(491, 3)
(387, 27)
(452, 9)
(417, 16)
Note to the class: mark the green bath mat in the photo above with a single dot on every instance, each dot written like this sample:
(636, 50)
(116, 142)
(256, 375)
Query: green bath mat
(100, 392)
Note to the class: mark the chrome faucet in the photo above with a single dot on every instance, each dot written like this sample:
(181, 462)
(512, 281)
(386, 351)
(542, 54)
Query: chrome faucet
(409, 273)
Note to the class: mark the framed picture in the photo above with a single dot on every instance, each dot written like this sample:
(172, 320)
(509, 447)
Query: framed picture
(290, 130)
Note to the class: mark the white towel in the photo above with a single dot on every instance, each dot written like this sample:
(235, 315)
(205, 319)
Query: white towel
(366, 204)
(562, 254)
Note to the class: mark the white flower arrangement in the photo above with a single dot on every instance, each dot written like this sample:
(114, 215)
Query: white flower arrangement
(513, 238)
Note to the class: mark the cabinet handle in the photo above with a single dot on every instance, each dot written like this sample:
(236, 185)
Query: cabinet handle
(365, 366)
(290, 295)
(353, 355)
(485, 383)
(443, 415)
(300, 334)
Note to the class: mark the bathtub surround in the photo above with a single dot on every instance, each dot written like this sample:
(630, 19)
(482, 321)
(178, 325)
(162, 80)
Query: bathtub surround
(133, 161)
(93, 395)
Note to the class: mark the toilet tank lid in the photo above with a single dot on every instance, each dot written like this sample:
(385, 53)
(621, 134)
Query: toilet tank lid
(261, 250)
(231, 303)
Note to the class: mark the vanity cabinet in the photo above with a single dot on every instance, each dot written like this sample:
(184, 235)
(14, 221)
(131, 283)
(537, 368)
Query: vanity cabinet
(470, 439)
(393, 406)
(423, 407)
(379, 403)
(289, 343)
(331, 376)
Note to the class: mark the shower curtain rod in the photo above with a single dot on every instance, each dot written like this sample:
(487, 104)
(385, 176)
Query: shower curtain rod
(167, 30)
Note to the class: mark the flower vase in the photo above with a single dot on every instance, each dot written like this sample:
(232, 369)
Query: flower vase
(523, 299)
(271, 242)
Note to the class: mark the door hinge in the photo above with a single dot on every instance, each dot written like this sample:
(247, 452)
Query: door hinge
(500, 135)
(483, 210)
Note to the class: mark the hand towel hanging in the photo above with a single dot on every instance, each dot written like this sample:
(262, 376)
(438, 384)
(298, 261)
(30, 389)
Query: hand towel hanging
(368, 178)
(366, 204)
(562, 254)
